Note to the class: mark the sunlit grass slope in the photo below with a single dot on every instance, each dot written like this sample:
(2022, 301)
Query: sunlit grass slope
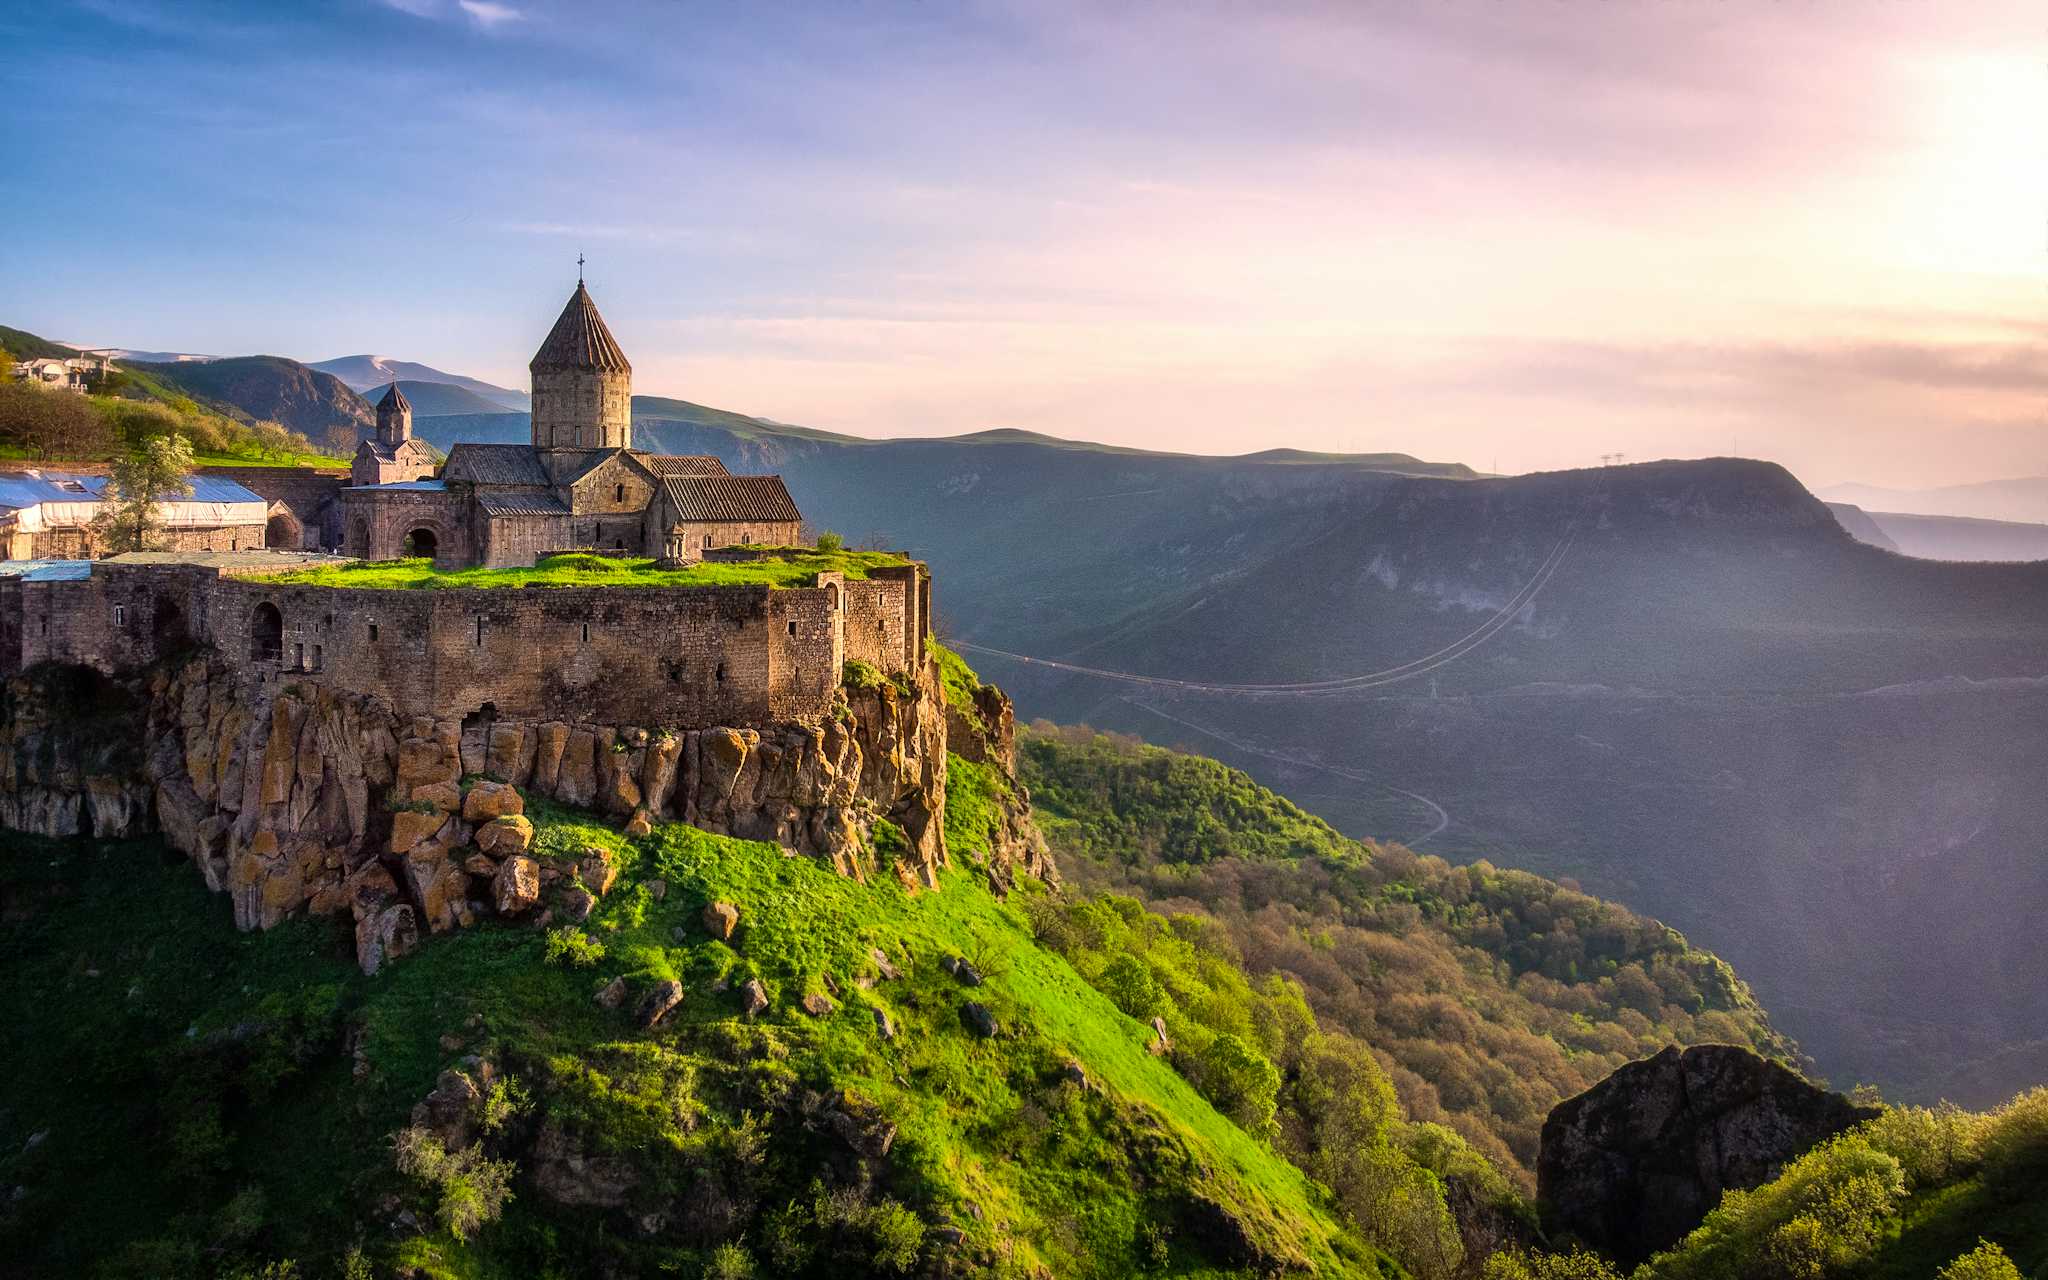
(201, 1102)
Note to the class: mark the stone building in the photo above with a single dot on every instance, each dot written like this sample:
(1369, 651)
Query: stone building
(579, 486)
(392, 455)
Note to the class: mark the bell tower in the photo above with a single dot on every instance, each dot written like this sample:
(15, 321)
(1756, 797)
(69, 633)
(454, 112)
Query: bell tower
(394, 417)
(582, 384)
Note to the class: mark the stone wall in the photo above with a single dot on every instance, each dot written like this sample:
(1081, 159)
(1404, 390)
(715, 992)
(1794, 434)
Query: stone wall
(311, 496)
(375, 524)
(690, 657)
(85, 543)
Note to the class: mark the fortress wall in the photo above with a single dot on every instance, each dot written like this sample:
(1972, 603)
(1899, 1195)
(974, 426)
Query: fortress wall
(887, 618)
(735, 655)
(632, 655)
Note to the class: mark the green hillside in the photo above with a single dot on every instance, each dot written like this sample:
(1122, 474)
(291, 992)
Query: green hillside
(23, 345)
(226, 1101)
(1489, 995)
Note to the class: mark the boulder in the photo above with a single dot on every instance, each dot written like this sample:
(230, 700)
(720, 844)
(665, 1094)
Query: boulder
(656, 1004)
(411, 827)
(443, 797)
(1160, 1043)
(502, 837)
(1634, 1163)
(885, 1026)
(639, 825)
(516, 887)
(612, 994)
(753, 997)
(882, 965)
(567, 1175)
(597, 870)
(487, 800)
(966, 974)
(577, 904)
(720, 919)
(980, 1019)
(385, 935)
(818, 1005)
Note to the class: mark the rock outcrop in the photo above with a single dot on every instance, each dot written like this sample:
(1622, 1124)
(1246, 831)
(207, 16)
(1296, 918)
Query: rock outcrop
(1634, 1163)
(292, 797)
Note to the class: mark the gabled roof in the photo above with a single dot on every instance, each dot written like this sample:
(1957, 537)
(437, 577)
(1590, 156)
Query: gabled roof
(20, 489)
(521, 504)
(395, 399)
(580, 340)
(496, 464)
(730, 498)
(582, 463)
(682, 464)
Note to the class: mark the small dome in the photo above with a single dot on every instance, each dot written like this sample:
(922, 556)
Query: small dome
(580, 340)
(394, 400)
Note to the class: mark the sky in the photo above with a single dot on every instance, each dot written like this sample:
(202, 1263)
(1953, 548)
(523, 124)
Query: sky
(1520, 234)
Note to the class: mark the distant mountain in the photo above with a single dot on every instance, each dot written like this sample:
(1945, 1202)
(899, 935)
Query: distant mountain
(130, 355)
(1860, 526)
(1961, 538)
(366, 371)
(273, 388)
(439, 399)
(2024, 499)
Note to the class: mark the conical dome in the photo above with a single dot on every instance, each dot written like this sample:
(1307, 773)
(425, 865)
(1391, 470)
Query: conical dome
(395, 401)
(580, 340)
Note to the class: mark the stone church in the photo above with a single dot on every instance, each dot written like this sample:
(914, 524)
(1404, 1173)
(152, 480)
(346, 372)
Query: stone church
(580, 486)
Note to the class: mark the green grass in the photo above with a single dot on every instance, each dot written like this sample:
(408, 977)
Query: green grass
(959, 681)
(789, 567)
(974, 813)
(176, 1063)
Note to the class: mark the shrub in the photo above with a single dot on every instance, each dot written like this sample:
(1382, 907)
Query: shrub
(571, 946)
(1825, 1213)
(830, 541)
(862, 675)
(1985, 1262)
(471, 1190)
(1514, 1264)
(2015, 1138)
(729, 1262)
(1934, 1145)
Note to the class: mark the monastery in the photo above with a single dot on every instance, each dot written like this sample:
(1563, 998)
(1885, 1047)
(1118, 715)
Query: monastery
(579, 486)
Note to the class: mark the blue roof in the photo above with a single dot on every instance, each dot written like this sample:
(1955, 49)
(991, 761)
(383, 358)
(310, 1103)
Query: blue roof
(18, 489)
(46, 570)
(220, 489)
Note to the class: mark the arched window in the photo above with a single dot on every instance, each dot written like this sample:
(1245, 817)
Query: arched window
(266, 633)
(618, 493)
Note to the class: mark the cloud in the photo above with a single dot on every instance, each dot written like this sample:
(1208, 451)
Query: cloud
(489, 15)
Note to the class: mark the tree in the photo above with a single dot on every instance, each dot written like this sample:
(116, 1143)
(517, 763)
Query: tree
(52, 424)
(156, 469)
(1985, 1262)
(1239, 1081)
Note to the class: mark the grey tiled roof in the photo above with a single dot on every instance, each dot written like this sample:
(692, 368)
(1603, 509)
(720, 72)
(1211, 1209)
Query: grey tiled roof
(495, 464)
(682, 464)
(521, 504)
(730, 498)
(579, 340)
(395, 399)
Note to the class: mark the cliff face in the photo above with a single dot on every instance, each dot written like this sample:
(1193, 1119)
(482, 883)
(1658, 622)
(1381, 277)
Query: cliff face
(296, 797)
(1634, 1163)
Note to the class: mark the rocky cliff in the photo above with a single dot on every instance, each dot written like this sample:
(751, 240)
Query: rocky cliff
(296, 797)
(1634, 1163)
